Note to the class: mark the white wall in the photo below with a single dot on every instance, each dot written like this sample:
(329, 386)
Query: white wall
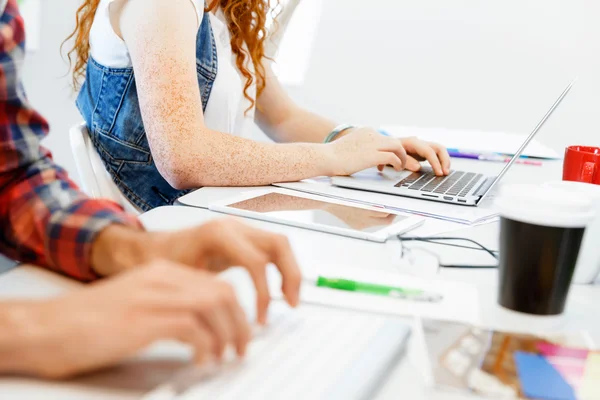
(46, 81)
(490, 65)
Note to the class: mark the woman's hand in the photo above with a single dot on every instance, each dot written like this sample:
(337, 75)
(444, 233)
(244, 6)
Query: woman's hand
(364, 148)
(419, 150)
(104, 323)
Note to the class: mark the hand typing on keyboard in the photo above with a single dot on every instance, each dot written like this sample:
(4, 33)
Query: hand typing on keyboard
(435, 154)
(310, 353)
(254, 250)
(281, 321)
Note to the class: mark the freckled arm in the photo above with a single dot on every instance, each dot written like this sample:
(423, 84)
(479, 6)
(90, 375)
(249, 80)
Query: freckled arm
(161, 38)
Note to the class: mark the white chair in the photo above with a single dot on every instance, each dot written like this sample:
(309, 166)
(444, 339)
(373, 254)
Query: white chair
(95, 179)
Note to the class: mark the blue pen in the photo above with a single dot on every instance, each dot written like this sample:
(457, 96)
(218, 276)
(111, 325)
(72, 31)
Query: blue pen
(475, 155)
(490, 157)
(462, 154)
(457, 153)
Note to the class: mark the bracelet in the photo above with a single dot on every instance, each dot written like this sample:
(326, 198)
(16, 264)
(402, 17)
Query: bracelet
(336, 131)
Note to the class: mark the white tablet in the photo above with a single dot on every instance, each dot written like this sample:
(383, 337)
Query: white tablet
(319, 213)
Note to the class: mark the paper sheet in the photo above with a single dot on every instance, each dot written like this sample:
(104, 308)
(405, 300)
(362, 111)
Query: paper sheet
(474, 140)
(433, 226)
(460, 302)
(448, 212)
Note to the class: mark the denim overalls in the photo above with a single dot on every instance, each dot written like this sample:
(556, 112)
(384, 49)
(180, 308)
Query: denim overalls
(108, 101)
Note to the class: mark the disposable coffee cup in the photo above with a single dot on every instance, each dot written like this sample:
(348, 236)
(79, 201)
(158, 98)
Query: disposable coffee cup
(541, 230)
(588, 262)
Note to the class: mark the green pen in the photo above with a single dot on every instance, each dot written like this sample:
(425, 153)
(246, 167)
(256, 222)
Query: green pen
(379, 290)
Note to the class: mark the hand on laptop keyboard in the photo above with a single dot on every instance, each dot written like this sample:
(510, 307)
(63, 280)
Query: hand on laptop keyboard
(435, 154)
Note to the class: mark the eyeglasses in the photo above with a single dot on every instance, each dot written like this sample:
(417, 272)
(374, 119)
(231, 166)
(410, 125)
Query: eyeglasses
(415, 254)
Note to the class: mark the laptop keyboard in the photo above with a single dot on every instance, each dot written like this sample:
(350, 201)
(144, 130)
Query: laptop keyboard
(458, 183)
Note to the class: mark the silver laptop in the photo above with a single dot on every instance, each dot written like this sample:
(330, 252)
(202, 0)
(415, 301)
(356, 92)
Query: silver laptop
(459, 187)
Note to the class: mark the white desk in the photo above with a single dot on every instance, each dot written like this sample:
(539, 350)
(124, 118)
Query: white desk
(311, 247)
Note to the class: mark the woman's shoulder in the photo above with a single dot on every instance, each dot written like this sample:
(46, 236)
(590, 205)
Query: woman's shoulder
(198, 5)
(115, 8)
(106, 41)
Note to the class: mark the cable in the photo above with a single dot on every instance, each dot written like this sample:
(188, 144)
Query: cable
(437, 239)
(464, 266)
(459, 246)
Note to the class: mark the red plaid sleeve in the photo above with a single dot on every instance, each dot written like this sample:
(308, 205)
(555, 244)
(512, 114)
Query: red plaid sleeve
(44, 218)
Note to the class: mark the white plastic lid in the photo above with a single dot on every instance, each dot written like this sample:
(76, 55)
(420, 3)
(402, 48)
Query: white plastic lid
(587, 189)
(544, 205)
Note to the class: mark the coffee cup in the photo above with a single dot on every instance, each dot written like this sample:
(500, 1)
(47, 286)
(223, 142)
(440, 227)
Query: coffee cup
(588, 262)
(582, 164)
(541, 230)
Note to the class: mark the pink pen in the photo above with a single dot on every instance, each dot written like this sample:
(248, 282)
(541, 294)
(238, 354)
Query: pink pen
(505, 159)
(530, 162)
(525, 162)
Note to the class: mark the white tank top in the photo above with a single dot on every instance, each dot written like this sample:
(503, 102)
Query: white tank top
(225, 110)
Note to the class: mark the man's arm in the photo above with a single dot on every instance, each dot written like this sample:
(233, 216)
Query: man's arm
(44, 218)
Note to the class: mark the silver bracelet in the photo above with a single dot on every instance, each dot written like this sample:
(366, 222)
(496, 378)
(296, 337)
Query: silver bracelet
(336, 131)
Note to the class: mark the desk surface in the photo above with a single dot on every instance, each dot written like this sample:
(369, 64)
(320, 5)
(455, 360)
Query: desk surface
(132, 380)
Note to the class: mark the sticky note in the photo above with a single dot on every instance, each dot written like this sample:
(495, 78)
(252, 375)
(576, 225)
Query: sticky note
(590, 386)
(551, 349)
(570, 362)
(540, 380)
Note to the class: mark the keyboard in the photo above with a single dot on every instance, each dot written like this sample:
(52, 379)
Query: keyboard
(457, 183)
(309, 353)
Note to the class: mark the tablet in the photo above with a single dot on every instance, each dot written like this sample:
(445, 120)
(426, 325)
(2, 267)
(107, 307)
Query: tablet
(319, 214)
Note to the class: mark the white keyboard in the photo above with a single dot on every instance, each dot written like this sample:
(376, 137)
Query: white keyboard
(308, 353)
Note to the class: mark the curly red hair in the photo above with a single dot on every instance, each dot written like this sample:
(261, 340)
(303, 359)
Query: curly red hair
(247, 23)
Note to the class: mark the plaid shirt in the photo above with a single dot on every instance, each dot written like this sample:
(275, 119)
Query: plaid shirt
(44, 218)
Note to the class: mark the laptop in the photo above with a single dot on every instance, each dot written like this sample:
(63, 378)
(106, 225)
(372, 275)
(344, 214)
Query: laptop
(459, 187)
(314, 352)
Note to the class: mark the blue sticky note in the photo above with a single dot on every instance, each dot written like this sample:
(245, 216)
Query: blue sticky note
(540, 380)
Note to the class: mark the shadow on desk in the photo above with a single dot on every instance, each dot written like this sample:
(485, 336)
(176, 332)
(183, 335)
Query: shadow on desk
(137, 376)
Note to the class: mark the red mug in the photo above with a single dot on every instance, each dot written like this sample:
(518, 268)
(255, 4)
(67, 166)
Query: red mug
(582, 164)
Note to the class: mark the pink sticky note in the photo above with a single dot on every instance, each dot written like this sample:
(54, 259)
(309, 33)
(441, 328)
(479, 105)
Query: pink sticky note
(550, 349)
(569, 362)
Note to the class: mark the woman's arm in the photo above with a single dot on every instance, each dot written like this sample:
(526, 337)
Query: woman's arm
(161, 38)
(283, 121)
